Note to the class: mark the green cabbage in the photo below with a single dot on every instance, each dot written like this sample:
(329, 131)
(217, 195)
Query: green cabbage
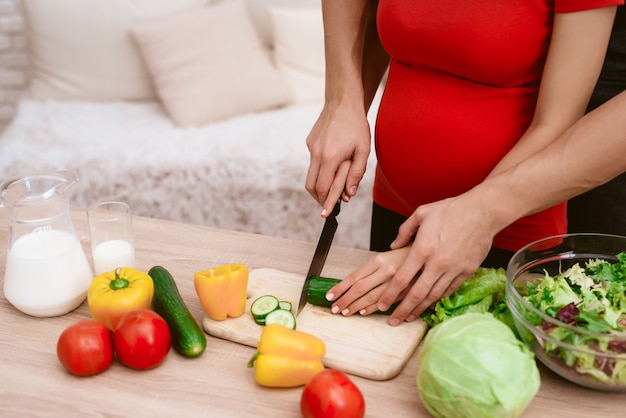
(473, 366)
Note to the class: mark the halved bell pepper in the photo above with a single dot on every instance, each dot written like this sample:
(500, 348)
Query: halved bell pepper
(222, 290)
(286, 358)
(115, 293)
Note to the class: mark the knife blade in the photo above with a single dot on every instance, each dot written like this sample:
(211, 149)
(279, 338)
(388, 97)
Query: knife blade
(321, 251)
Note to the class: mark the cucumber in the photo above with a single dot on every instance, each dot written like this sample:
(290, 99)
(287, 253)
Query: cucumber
(282, 317)
(319, 286)
(263, 305)
(268, 309)
(188, 339)
(285, 305)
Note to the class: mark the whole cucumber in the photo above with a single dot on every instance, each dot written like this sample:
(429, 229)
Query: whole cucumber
(188, 339)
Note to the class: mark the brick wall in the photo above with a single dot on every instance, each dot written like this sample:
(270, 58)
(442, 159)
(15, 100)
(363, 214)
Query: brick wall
(13, 59)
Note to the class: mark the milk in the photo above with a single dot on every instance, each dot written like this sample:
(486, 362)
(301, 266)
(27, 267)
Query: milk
(109, 255)
(47, 273)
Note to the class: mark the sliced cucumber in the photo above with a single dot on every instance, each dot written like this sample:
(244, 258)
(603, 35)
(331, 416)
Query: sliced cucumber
(282, 317)
(285, 305)
(268, 309)
(263, 305)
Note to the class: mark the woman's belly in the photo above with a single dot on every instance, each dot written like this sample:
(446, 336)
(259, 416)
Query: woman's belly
(438, 135)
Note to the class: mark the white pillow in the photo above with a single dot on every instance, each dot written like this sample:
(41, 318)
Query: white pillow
(210, 64)
(299, 51)
(81, 49)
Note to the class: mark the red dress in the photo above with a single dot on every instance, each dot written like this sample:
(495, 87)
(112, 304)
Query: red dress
(461, 91)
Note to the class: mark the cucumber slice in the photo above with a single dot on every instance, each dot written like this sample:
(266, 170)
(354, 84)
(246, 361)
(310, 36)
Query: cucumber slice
(263, 305)
(282, 317)
(284, 305)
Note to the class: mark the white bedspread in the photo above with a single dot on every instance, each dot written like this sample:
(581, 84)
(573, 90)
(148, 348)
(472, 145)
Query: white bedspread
(246, 173)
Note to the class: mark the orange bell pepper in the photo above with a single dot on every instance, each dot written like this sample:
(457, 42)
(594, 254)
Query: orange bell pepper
(286, 357)
(222, 290)
(113, 294)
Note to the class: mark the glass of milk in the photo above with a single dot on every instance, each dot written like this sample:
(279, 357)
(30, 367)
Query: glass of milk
(111, 231)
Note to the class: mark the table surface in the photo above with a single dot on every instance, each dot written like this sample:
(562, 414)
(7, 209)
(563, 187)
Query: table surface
(218, 383)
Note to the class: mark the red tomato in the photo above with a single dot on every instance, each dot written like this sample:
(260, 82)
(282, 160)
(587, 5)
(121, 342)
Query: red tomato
(331, 394)
(85, 348)
(142, 339)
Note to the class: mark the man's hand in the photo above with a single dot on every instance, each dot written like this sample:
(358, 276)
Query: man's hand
(451, 238)
(437, 248)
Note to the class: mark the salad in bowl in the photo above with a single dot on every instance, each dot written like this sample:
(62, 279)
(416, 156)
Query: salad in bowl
(567, 298)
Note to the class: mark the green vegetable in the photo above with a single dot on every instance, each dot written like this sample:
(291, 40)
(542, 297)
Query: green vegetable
(262, 306)
(483, 292)
(319, 286)
(592, 297)
(473, 366)
(282, 317)
(267, 309)
(284, 305)
(187, 337)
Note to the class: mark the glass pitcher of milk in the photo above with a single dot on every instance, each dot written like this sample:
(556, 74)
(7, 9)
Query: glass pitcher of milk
(47, 272)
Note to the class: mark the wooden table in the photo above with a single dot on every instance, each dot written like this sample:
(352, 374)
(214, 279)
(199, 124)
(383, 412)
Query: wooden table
(217, 384)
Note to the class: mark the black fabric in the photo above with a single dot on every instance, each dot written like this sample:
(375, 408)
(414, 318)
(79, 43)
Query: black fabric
(384, 228)
(612, 80)
(497, 258)
(385, 224)
(603, 209)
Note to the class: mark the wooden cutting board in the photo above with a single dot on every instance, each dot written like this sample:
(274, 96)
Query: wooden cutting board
(360, 345)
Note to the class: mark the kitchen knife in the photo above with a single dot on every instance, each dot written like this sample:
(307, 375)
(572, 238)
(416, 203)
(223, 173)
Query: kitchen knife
(319, 258)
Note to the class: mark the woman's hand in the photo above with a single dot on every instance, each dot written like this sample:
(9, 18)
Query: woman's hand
(339, 144)
(360, 291)
(355, 63)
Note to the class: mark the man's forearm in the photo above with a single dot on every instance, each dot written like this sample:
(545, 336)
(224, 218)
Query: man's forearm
(590, 153)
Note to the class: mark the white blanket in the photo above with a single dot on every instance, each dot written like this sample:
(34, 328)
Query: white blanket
(245, 173)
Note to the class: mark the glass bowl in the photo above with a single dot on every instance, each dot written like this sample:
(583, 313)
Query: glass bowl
(588, 358)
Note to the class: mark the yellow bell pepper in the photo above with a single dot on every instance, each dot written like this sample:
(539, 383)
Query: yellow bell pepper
(287, 358)
(115, 293)
(222, 290)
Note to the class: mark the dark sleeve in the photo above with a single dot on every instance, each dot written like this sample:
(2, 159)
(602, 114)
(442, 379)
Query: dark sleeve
(612, 80)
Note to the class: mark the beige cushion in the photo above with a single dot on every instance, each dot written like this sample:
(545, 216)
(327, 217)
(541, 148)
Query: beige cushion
(298, 38)
(210, 65)
(259, 11)
(81, 49)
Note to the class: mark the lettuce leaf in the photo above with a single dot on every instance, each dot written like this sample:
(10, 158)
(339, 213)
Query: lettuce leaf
(484, 292)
